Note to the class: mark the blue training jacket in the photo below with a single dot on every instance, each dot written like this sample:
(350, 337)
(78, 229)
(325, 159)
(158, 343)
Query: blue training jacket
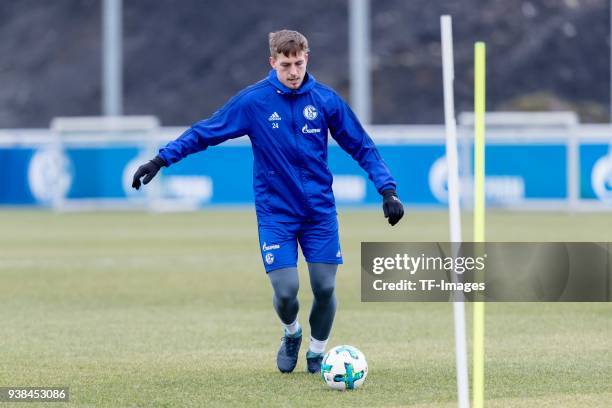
(288, 131)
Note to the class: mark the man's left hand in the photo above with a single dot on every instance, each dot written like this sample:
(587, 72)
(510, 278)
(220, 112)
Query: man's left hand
(392, 207)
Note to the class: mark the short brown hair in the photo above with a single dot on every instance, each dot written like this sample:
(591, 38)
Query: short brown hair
(287, 42)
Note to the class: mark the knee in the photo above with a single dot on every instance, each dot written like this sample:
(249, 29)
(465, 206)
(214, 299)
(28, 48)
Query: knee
(287, 295)
(323, 293)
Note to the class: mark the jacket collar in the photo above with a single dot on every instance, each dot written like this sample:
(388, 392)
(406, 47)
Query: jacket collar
(307, 84)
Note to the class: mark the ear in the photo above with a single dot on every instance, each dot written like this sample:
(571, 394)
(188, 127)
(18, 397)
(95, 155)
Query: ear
(306, 58)
(273, 62)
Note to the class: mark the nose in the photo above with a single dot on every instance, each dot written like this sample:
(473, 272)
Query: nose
(293, 71)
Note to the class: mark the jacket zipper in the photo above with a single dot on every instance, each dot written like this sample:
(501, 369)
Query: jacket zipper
(298, 147)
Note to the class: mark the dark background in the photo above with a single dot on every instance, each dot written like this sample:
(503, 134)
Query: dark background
(183, 59)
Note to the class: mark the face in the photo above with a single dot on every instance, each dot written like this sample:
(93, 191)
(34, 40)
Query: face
(291, 70)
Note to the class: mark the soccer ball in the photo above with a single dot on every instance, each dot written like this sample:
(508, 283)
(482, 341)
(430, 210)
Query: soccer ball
(344, 368)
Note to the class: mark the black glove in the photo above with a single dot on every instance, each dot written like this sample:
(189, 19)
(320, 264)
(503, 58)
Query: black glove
(392, 206)
(148, 170)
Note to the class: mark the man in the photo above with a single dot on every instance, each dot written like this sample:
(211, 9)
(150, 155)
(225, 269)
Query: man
(287, 116)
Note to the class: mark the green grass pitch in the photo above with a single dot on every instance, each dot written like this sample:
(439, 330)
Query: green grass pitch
(174, 310)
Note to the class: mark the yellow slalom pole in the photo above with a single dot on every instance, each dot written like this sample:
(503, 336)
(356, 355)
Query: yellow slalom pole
(479, 214)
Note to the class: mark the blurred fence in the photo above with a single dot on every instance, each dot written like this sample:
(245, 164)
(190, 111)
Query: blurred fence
(534, 168)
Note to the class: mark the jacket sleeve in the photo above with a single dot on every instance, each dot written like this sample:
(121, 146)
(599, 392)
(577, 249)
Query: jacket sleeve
(353, 139)
(229, 122)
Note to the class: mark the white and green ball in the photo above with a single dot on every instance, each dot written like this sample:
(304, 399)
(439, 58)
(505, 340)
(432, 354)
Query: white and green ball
(344, 368)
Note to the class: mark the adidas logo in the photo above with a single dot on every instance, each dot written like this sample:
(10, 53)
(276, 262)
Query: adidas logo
(274, 116)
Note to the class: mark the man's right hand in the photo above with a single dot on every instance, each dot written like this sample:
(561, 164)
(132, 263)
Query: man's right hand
(148, 171)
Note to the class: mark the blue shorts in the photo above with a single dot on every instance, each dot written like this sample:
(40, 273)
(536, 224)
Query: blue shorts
(318, 239)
